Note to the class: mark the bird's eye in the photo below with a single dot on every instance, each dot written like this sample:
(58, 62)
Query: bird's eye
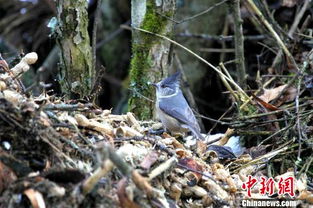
(162, 85)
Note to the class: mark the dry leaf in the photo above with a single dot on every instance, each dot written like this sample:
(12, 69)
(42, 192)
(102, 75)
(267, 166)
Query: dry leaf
(288, 96)
(149, 160)
(265, 104)
(191, 164)
(271, 94)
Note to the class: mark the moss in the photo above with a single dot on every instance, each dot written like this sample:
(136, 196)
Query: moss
(141, 63)
(139, 69)
(154, 23)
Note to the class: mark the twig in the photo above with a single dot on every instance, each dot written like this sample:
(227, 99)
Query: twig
(72, 144)
(264, 158)
(244, 123)
(226, 84)
(5, 116)
(252, 132)
(117, 159)
(276, 133)
(217, 50)
(223, 43)
(112, 35)
(239, 45)
(97, 85)
(298, 18)
(272, 31)
(94, 37)
(268, 47)
(202, 13)
(140, 95)
(91, 182)
(153, 141)
(306, 166)
(211, 119)
(294, 78)
(194, 16)
(292, 29)
(221, 38)
(222, 116)
(67, 107)
(299, 129)
(162, 167)
(54, 137)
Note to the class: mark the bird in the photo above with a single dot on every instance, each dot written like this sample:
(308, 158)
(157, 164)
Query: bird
(172, 108)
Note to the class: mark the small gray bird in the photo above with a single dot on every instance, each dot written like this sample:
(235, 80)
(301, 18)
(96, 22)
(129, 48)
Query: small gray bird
(173, 109)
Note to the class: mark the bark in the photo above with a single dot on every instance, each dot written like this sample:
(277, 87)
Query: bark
(151, 56)
(74, 42)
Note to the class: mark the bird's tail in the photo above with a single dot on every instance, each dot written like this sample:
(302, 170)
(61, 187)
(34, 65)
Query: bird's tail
(197, 133)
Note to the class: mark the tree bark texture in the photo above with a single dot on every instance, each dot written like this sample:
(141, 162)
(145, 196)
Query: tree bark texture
(73, 38)
(151, 56)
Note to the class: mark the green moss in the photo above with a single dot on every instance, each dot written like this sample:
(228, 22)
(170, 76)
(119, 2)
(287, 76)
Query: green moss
(154, 23)
(139, 69)
(141, 63)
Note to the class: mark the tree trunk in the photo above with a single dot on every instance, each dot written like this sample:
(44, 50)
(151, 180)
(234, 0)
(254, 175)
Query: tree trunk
(73, 39)
(151, 56)
(210, 23)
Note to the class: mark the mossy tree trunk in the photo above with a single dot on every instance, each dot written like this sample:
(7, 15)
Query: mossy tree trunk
(73, 39)
(151, 56)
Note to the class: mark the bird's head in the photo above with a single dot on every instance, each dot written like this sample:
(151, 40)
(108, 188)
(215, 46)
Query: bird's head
(168, 86)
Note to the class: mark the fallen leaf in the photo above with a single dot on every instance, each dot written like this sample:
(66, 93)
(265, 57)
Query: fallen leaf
(191, 164)
(271, 94)
(265, 104)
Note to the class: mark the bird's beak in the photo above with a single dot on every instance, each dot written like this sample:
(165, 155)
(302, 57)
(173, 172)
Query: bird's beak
(154, 85)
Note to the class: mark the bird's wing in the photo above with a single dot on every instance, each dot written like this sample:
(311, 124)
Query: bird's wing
(178, 108)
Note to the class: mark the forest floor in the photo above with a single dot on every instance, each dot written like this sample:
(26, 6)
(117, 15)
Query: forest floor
(56, 153)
